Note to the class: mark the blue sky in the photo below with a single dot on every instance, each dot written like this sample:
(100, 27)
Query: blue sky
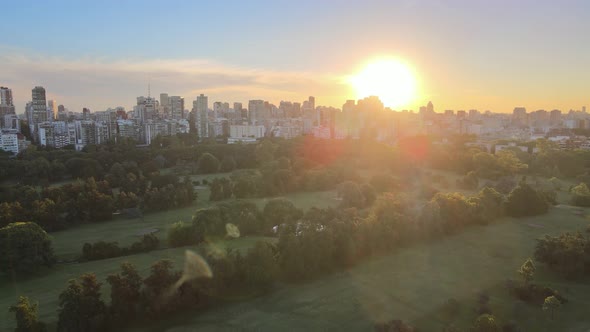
(467, 54)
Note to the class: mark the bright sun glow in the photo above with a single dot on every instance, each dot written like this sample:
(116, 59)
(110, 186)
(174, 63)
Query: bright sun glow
(389, 79)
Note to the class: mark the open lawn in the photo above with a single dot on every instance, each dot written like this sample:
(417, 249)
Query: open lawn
(413, 284)
(45, 288)
(68, 243)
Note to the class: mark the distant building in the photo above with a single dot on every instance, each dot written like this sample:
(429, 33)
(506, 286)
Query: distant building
(38, 106)
(13, 141)
(257, 112)
(519, 116)
(246, 131)
(177, 107)
(52, 105)
(201, 116)
(6, 96)
(165, 107)
(555, 117)
(146, 109)
(6, 105)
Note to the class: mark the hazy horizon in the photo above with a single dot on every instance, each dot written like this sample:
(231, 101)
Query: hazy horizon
(465, 55)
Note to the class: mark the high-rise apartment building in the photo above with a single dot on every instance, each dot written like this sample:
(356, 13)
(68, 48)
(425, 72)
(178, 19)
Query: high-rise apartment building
(519, 116)
(554, 117)
(200, 109)
(6, 96)
(257, 112)
(146, 109)
(176, 107)
(38, 105)
(6, 105)
(165, 105)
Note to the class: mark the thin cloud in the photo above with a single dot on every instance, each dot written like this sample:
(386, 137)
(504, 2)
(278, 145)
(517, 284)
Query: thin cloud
(100, 83)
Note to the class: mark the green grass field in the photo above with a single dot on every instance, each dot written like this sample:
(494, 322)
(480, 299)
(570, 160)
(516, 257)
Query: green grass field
(68, 243)
(413, 284)
(45, 288)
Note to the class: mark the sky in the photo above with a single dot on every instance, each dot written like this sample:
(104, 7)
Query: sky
(485, 55)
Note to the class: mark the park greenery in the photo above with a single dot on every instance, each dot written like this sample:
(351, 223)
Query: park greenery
(388, 199)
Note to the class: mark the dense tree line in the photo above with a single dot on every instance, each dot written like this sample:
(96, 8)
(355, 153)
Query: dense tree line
(567, 253)
(82, 308)
(58, 207)
(548, 160)
(41, 165)
(102, 249)
(55, 208)
(38, 165)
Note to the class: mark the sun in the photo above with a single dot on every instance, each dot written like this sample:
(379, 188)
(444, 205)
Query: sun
(390, 79)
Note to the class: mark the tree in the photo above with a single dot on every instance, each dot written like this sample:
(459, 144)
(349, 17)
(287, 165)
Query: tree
(228, 164)
(261, 267)
(551, 304)
(486, 323)
(81, 307)
(157, 285)
(368, 193)
(527, 271)
(469, 181)
(456, 211)
(221, 188)
(207, 163)
(566, 253)
(509, 163)
(280, 211)
(383, 182)
(395, 325)
(351, 195)
(26, 316)
(265, 152)
(489, 204)
(525, 201)
(125, 292)
(25, 247)
(581, 195)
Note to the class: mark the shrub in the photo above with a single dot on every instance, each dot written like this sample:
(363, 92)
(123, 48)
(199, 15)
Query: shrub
(581, 195)
(103, 250)
(147, 243)
(181, 234)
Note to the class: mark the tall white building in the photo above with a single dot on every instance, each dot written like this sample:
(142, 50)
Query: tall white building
(9, 141)
(246, 131)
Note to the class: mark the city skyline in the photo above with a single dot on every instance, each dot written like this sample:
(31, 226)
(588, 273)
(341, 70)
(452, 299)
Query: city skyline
(466, 55)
